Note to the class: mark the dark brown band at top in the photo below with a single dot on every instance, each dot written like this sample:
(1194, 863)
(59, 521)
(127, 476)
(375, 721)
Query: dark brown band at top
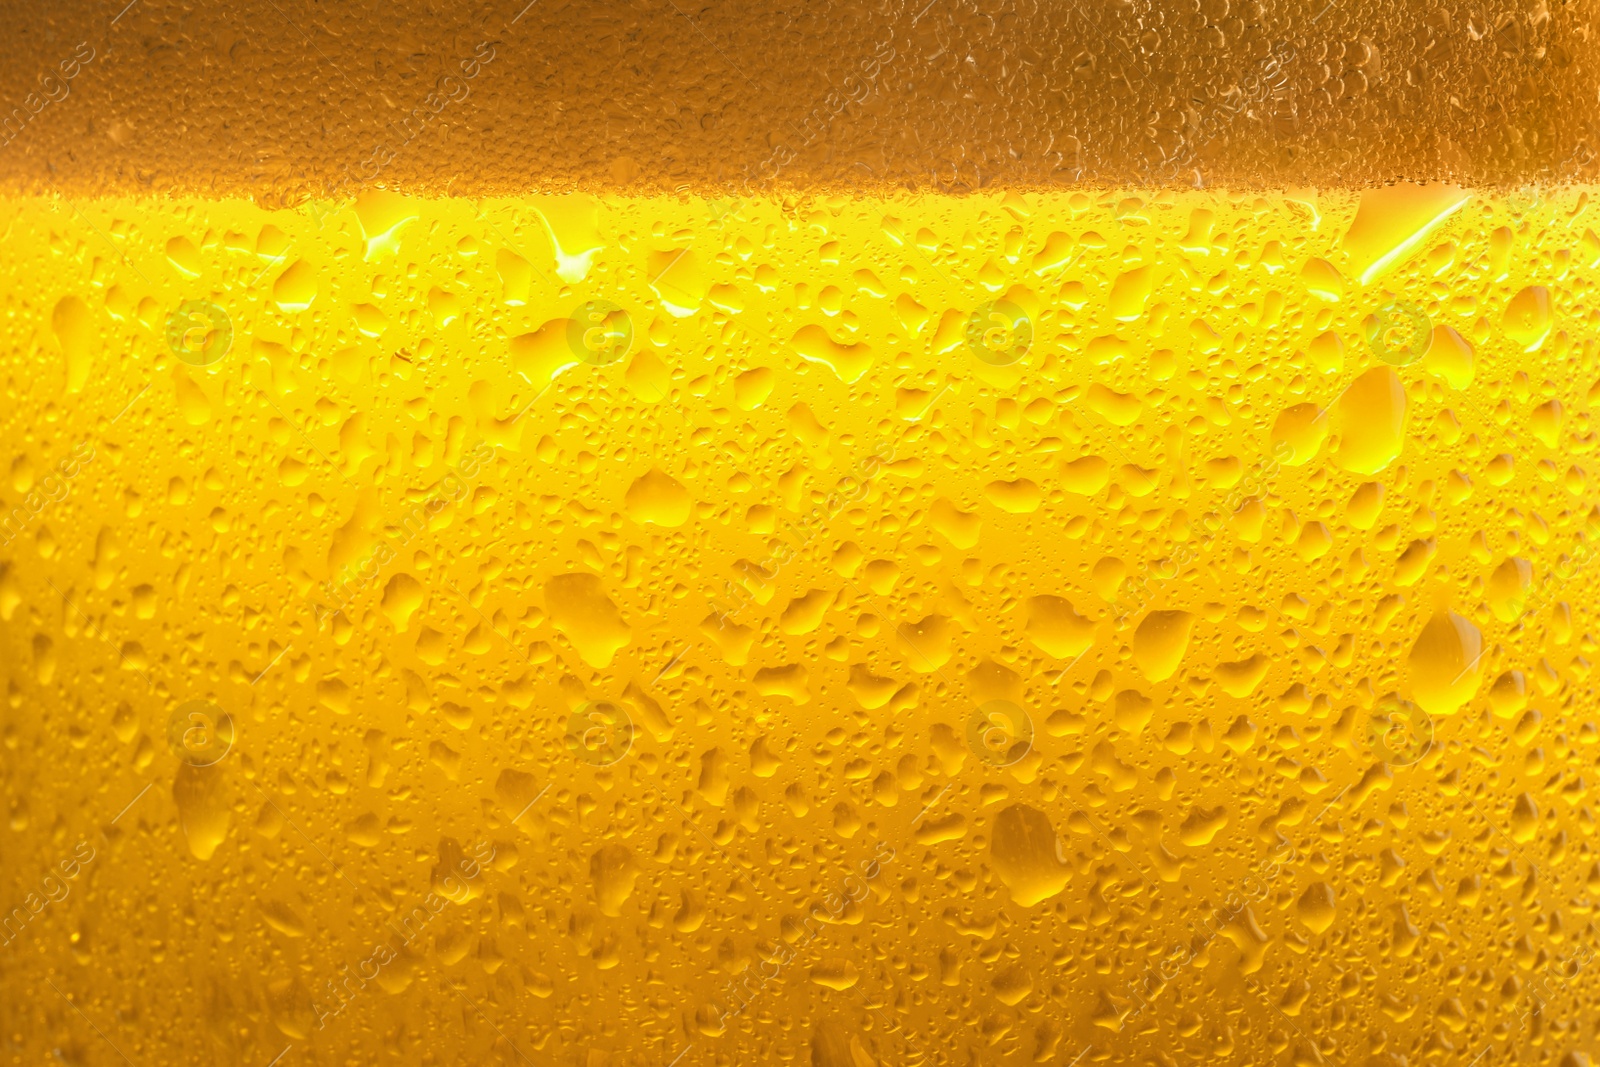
(284, 99)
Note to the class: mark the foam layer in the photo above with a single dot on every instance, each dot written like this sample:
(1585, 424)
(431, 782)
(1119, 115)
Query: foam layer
(283, 100)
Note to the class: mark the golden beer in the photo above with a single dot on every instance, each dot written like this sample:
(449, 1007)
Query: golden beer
(794, 614)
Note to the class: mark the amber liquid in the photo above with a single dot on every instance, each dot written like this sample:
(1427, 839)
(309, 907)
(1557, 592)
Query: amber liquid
(1028, 628)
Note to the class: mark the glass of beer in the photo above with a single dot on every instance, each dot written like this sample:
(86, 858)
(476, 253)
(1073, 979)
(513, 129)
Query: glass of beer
(931, 533)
